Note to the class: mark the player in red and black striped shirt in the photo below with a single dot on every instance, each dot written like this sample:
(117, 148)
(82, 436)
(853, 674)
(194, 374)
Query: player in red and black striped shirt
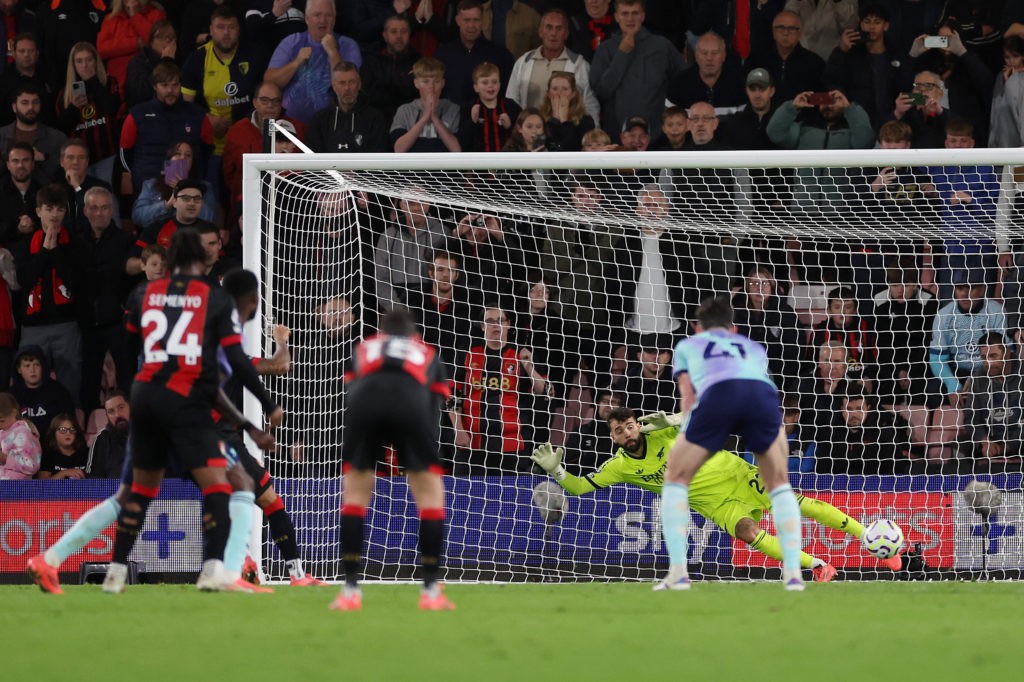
(183, 321)
(394, 398)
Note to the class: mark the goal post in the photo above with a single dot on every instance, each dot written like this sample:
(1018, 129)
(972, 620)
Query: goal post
(579, 271)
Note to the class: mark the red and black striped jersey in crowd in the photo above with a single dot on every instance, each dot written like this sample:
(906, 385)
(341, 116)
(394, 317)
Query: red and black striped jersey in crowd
(182, 321)
(388, 353)
(161, 233)
(98, 123)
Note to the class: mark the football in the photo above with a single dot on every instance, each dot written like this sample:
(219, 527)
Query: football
(883, 538)
(549, 501)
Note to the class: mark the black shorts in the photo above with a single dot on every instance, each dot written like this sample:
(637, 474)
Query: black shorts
(390, 409)
(258, 472)
(168, 430)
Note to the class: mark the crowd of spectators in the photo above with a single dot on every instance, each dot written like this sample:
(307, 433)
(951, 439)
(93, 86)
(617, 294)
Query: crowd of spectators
(122, 122)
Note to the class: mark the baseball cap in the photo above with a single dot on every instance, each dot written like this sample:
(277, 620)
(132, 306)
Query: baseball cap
(759, 77)
(189, 183)
(635, 121)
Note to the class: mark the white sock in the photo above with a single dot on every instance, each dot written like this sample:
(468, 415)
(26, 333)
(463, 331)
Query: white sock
(295, 569)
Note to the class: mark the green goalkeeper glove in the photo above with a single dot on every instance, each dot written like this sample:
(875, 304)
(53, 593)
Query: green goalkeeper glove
(656, 421)
(549, 459)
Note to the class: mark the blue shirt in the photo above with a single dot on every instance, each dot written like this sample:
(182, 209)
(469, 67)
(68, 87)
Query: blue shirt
(310, 88)
(717, 355)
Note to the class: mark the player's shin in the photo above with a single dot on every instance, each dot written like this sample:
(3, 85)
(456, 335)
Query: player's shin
(216, 521)
(431, 541)
(353, 516)
(827, 515)
(240, 509)
(282, 531)
(83, 531)
(130, 520)
(675, 522)
(769, 546)
(786, 512)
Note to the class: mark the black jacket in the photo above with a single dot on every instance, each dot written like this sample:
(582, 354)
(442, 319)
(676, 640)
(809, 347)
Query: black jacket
(387, 79)
(799, 72)
(364, 129)
(106, 456)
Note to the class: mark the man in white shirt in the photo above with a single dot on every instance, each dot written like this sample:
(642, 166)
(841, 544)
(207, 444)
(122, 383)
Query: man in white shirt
(529, 80)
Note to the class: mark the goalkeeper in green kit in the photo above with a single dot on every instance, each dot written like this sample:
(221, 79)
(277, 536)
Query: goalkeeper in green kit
(726, 490)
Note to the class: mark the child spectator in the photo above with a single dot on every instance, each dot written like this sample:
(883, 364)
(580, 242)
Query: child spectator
(40, 396)
(674, 124)
(20, 453)
(65, 453)
(50, 272)
(428, 123)
(597, 140)
(154, 262)
(486, 124)
(565, 118)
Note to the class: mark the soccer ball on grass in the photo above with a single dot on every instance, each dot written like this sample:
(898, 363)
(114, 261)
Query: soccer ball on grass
(883, 538)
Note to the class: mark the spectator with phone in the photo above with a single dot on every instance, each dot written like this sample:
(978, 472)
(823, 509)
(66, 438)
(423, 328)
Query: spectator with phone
(824, 120)
(864, 66)
(824, 22)
(967, 80)
(1007, 119)
(155, 202)
(922, 110)
(90, 108)
(528, 133)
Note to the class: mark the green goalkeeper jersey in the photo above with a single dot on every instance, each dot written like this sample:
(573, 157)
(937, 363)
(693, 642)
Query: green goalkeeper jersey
(723, 477)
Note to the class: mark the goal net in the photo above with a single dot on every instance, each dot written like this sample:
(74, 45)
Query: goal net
(883, 284)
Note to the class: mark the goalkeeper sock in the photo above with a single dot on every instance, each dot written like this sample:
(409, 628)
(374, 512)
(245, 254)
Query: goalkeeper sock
(83, 531)
(431, 541)
(769, 546)
(827, 515)
(675, 521)
(130, 520)
(786, 512)
(353, 516)
(240, 509)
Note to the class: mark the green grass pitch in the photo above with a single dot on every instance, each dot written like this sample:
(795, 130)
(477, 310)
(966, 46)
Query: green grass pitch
(523, 632)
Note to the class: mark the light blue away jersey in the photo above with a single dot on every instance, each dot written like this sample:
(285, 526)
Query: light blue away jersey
(719, 355)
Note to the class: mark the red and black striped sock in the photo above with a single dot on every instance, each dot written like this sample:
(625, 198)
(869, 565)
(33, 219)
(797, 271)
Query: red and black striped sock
(130, 520)
(431, 541)
(282, 531)
(353, 517)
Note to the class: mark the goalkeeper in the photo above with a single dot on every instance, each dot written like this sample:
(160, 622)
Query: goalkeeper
(726, 490)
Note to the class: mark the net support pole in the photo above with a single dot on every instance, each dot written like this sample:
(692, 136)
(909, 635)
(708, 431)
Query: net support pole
(251, 251)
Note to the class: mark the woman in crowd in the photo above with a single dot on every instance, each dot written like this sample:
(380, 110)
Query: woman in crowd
(124, 32)
(154, 202)
(90, 108)
(565, 119)
(65, 454)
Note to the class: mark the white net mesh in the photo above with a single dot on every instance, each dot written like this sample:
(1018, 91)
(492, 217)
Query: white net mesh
(879, 286)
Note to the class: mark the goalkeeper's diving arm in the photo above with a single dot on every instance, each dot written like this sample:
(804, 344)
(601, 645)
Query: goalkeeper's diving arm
(549, 459)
